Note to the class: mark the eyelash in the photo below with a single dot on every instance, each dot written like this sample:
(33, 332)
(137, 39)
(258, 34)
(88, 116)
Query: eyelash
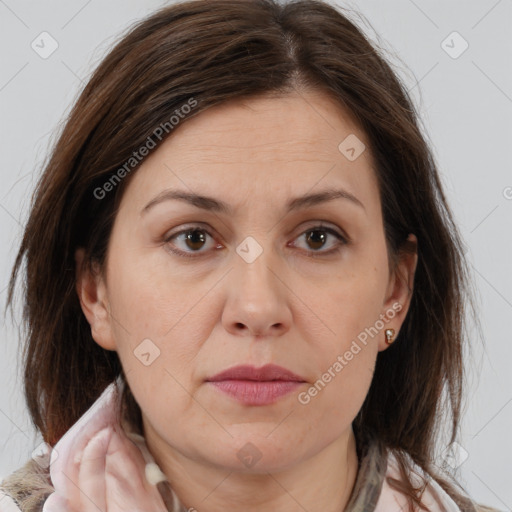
(313, 254)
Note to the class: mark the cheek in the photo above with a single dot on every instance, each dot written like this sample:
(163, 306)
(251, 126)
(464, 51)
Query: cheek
(160, 323)
(149, 301)
(356, 298)
(352, 309)
(342, 383)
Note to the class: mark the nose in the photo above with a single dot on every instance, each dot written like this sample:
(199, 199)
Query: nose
(258, 297)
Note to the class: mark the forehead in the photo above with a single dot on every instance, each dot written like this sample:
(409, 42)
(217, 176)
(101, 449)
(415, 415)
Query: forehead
(294, 123)
(273, 147)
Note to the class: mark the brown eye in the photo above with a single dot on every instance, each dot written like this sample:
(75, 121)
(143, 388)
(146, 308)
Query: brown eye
(189, 242)
(318, 237)
(195, 239)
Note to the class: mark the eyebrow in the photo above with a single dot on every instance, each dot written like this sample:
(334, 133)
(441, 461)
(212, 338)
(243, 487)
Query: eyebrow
(216, 205)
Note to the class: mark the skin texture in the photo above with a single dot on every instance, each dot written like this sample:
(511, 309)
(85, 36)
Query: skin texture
(215, 310)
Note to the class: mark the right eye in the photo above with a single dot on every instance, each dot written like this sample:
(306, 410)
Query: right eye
(193, 238)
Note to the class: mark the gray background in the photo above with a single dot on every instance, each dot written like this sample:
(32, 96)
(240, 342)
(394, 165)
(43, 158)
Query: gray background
(466, 107)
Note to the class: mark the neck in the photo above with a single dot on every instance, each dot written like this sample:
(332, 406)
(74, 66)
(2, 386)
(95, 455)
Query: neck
(323, 482)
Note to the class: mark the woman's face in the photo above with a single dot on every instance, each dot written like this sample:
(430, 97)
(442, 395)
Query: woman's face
(193, 288)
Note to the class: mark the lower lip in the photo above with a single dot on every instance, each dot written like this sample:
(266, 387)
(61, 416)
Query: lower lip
(252, 392)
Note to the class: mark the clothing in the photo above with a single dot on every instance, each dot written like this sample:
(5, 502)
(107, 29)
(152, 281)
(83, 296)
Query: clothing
(56, 471)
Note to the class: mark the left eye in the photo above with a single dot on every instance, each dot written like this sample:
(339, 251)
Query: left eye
(195, 239)
(317, 236)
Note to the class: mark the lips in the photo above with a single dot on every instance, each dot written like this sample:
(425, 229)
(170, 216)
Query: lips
(269, 372)
(256, 386)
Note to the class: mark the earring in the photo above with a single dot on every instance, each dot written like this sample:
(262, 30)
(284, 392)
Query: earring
(389, 336)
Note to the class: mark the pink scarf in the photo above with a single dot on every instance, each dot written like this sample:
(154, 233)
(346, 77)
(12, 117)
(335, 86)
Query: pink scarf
(84, 479)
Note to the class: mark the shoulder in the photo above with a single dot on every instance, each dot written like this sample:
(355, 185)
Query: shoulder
(434, 497)
(7, 504)
(26, 489)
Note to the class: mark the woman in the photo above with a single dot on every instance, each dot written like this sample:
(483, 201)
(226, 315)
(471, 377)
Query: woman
(244, 287)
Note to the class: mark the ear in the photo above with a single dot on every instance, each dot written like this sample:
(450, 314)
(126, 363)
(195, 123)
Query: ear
(399, 291)
(92, 293)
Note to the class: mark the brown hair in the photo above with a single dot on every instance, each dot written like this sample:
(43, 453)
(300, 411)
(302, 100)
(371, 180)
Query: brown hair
(213, 54)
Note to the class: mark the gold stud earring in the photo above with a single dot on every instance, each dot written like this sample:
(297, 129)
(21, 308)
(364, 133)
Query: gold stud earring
(389, 336)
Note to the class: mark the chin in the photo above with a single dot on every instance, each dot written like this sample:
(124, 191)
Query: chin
(257, 454)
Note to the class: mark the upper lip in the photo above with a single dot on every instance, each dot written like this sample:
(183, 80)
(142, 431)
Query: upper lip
(268, 372)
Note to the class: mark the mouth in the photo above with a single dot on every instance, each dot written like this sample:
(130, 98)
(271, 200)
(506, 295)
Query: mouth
(256, 386)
